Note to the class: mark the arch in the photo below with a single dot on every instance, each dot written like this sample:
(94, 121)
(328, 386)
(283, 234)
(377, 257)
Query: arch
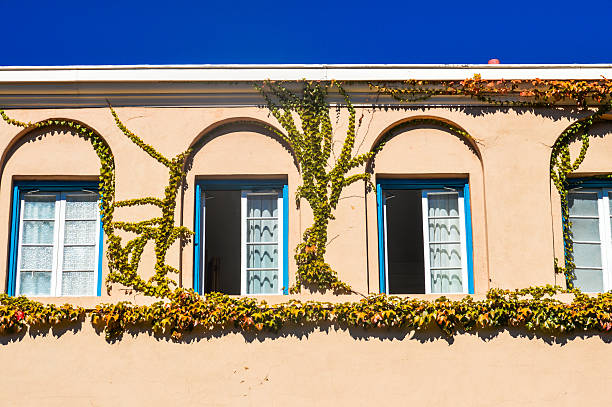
(465, 162)
(38, 131)
(423, 121)
(236, 124)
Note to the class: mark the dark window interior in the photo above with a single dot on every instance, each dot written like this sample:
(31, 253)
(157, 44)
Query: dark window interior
(222, 242)
(406, 266)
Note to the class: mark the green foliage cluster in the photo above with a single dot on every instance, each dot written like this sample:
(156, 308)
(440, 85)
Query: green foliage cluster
(532, 308)
(561, 167)
(124, 259)
(305, 116)
(19, 313)
(534, 92)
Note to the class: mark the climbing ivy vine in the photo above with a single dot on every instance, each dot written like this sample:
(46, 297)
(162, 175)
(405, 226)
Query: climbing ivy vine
(530, 94)
(304, 114)
(124, 259)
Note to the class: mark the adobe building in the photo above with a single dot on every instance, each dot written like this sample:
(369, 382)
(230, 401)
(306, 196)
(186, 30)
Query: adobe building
(446, 214)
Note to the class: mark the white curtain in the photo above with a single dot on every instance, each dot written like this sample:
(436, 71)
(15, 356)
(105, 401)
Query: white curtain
(444, 242)
(584, 215)
(262, 244)
(79, 263)
(37, 238)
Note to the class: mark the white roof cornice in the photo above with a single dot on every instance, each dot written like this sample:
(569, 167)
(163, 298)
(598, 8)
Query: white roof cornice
(231, 73)
(232, 85)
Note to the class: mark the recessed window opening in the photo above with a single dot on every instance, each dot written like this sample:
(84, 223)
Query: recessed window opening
(56, 236)
(424, 243)
(244, 239)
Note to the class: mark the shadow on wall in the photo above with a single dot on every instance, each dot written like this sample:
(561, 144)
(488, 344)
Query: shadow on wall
(303, 332)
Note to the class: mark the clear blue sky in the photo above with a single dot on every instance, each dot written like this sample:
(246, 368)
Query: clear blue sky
(56, 32)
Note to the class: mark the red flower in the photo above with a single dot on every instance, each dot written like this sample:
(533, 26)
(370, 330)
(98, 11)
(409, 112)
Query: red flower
(19, 315)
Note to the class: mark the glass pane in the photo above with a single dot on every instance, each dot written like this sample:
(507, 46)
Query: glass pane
(446, 281)
(444, 230)
(79, 258)
(36, 258)
(262, 256)
(78, 283)
(586, 230)
(262, 230)
(80, 232)
(583, 204)
(82, 206)
(262, 206)
(589, 281)
(35, 283)
(39, 206)
(38, 232)
(443, 204)
(262, 281)
(587, 255)
(445, 255)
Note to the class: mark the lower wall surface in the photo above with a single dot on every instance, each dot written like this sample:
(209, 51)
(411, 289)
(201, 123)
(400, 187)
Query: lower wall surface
(319, 367)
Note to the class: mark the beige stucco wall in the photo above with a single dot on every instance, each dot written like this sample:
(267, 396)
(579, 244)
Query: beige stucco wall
(303, 367)
(515, 213)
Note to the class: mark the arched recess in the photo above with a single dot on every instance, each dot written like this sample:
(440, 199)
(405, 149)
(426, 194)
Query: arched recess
(232, 150)
(592, 171)
(51, 150)
(423, 148)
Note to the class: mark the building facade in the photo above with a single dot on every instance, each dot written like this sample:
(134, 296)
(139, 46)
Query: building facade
(445, 214)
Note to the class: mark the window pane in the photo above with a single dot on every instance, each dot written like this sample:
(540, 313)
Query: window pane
(262, 206)
(590, 281)
(35, 283)
(79, 258)
(262, 281)
(262, 256)
(82, 206)
(262, 230)
(587, 255)
(37, 258)
(586, 230)
(444, 230)
(444, 255)
(39, 206)
(78, 283)
(80, 232)
(583, 204)
(446, 281)
(443, 204)
(37, 232)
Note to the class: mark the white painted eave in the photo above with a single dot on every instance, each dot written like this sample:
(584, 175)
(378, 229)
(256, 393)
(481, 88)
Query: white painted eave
(240, 73)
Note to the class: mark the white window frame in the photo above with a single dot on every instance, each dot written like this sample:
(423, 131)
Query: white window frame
(462, 239)
(58, 242)
(605, 236)
(243, 238)
(426, 242)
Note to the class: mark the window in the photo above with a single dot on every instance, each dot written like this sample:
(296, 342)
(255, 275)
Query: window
(590, 214)
(424, 236)
(241, 237)
(56, 240)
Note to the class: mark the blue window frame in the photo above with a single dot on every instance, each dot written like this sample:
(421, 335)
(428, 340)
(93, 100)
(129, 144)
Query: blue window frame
(58, 223)
(455, 191)
(274, 191)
